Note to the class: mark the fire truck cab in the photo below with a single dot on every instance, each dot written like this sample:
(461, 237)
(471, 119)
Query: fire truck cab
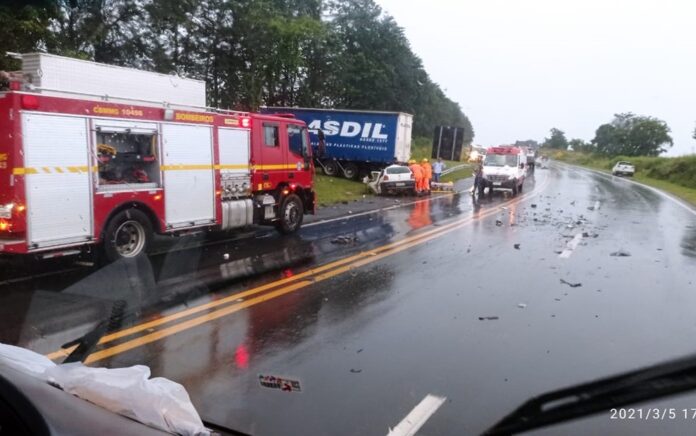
(504, 168)
(78, 172)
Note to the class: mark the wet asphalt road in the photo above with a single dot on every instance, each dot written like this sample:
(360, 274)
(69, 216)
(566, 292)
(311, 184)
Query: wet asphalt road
(373, 321)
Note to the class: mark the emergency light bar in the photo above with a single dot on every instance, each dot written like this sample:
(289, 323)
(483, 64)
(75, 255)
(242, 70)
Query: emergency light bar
(503, 150)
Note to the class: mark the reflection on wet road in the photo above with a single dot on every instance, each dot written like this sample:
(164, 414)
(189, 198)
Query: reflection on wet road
(469, 300)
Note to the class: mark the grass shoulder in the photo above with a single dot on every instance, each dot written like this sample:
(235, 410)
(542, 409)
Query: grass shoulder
(332, 190)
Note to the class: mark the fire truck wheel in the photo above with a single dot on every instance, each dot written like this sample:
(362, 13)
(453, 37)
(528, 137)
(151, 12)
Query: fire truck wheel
(127, 235)
(291, 214)
(350, 171)
(330, 168)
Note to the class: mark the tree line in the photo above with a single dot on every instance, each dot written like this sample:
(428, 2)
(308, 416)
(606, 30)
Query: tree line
(344, 54)
(627, 134)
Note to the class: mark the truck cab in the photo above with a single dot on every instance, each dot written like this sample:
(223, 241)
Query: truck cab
(504, 168)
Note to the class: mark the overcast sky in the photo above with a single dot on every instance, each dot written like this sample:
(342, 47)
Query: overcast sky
(520, 67)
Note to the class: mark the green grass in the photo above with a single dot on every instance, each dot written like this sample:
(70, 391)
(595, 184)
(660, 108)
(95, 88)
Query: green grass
(462, 173)
(331, 190)
(676, 175)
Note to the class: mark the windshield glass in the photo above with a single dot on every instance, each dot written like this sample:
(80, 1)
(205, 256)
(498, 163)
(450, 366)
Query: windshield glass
(287, 209)
(499, 160)
(398, 170)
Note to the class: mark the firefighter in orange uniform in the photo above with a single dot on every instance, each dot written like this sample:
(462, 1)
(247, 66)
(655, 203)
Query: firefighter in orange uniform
(427, 175)
(417, 171)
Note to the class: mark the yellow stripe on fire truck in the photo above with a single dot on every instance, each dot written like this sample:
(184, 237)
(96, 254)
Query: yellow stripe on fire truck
(232, 167)
(228, 167)
(83, 169)
(51, 170)
(276, 167)
(186, 167)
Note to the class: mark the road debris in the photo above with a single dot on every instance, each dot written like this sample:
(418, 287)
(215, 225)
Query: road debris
(498, 223)
(226, 256)
(621, 253)
(517, 246)
(488, 318)
(355, 371)
(534, 205)
(572, 285)
(279, 383)
(345, 240)
(521, 305)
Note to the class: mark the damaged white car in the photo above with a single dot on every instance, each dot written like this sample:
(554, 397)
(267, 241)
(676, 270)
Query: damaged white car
(392, 180)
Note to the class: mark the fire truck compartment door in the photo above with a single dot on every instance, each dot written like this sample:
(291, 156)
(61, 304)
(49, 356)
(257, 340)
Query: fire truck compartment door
(58, 183)
(187, 164)
(234, 151)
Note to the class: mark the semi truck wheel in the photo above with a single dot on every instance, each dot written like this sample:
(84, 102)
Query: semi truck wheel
(127, 235)
(291, 214)
(350, 170)
(330, 168)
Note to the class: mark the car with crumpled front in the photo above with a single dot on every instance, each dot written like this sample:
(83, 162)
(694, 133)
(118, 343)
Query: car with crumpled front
(395, 179)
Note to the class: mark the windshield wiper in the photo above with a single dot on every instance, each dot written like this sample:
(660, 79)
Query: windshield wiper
(87, 343)
(586, 399)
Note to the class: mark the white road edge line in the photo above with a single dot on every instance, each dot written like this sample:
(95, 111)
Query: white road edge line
(661, 193)
(418, 416)
(571, 246)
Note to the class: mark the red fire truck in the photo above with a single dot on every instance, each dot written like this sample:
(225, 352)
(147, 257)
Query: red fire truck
(78, 172)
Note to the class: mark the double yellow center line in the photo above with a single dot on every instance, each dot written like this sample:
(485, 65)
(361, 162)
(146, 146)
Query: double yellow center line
(223, 307)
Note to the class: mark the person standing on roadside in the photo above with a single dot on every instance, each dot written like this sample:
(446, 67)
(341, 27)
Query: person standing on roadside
(321, 146)
(438, 167)
(427, 175)
(478, 180)
(417, 171)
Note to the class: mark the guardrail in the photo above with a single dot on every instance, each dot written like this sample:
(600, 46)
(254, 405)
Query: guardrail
(455, 168)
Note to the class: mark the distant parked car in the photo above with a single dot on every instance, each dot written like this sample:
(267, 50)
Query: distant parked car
(623, 169)
(393, 179)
